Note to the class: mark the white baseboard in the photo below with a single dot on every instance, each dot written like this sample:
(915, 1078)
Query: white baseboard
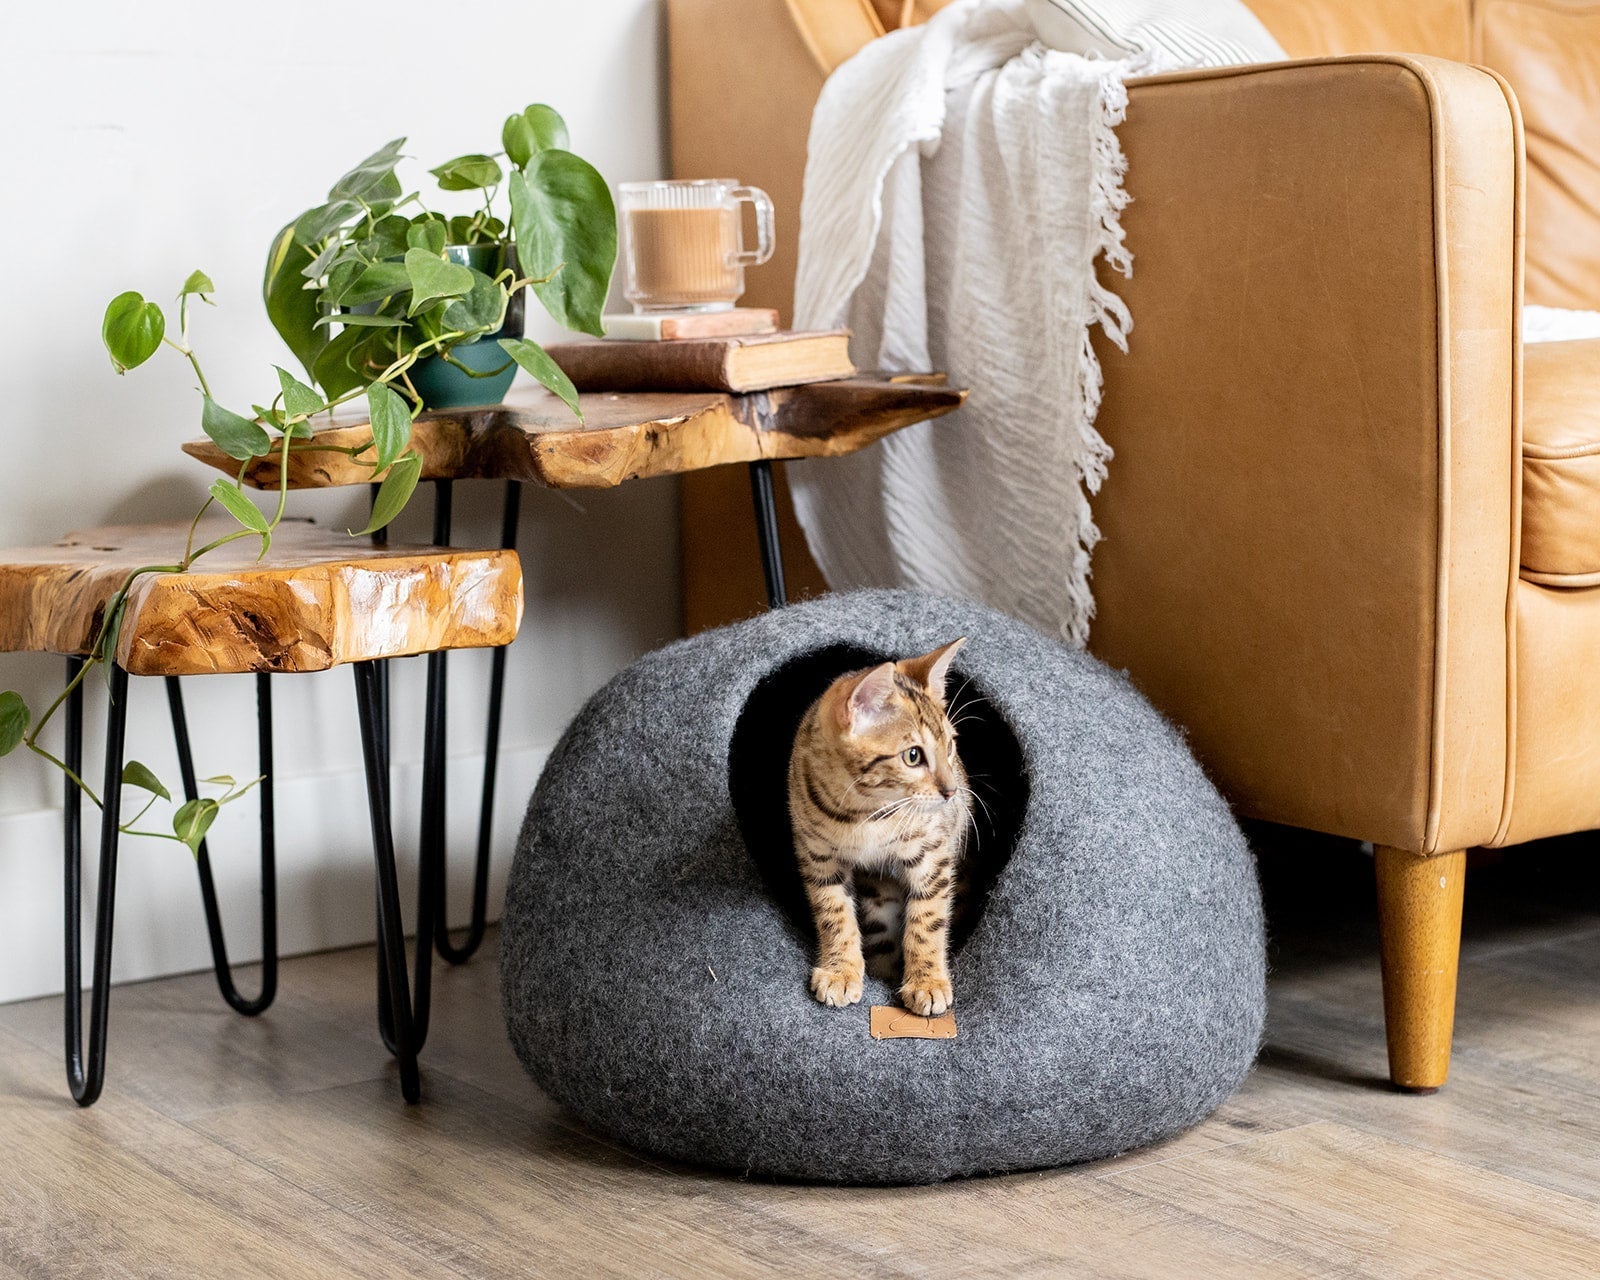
(325, 888)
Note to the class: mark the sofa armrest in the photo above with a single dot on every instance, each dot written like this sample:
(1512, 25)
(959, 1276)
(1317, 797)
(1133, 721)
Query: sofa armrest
(1310, 526)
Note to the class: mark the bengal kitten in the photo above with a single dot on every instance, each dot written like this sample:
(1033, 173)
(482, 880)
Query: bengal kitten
(880, 805)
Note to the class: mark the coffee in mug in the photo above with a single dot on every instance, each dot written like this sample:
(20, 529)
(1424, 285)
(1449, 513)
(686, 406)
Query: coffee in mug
(682, 243)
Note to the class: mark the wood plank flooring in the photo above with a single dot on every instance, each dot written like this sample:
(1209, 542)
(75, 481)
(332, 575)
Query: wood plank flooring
(279, 1147)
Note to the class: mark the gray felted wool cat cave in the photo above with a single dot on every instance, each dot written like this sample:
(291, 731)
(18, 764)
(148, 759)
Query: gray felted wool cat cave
(656, 945)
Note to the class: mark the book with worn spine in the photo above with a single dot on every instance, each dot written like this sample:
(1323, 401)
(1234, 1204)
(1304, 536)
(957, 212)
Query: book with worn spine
(630, 327)
(756, 362)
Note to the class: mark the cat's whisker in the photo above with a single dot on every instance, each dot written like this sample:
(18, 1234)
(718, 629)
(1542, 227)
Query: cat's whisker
(972, 816)
(962, 699)
(982, 779)
(884, 810)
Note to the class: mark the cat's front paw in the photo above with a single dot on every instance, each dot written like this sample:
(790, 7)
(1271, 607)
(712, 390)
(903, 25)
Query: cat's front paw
(836, 988)
(927, 995)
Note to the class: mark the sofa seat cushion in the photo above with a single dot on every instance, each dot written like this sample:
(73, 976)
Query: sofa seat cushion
(1561, 463)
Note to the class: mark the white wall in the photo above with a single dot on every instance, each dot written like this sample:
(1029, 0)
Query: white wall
(143, 141)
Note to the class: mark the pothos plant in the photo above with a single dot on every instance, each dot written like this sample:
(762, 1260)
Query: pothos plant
(361, 288)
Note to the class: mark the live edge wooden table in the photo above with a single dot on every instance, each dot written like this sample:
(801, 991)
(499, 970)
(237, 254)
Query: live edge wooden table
(533, 438)
(315, 600)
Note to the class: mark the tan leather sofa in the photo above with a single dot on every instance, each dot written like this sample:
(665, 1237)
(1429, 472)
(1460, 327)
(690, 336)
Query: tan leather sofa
(1352, 530)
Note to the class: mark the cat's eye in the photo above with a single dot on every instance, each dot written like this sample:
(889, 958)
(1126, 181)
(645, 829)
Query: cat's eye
(912, 756)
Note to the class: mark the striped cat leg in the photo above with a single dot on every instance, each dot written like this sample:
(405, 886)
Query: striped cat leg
(880, 911)
(836, 980)
(926, 941)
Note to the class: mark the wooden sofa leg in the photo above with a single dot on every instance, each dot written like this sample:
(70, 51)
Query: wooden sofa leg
(1419, 926)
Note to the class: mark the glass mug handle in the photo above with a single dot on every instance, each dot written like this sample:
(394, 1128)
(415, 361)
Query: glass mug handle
(762, 203)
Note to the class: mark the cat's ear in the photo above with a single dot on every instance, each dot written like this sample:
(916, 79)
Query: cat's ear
(868, 703)
(931, 669)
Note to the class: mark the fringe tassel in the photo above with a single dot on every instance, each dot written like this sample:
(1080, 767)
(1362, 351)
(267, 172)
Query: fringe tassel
(1107, 200)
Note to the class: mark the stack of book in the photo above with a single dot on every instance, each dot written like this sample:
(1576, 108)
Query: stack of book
(741, 350)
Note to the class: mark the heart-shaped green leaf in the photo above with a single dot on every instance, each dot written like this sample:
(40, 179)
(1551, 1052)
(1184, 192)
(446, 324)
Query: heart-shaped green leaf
(388, 238)
(235, 435)
(372, 179)
(467, 173)
(517, 140)
(391, 423)
(315, 225)
(549, 129)
(395, 491)
(14, 720)
(318, 266)
(135, 774)
(482, 308)
(535, 360)
(339, 280)
(132, 330)
(292, 308)
(239, 506)
(198, 282)
(192, 820)
(566, 224)
(432, 277)
(298, 399)
(427, 233)
(537, 128)
(379, 281)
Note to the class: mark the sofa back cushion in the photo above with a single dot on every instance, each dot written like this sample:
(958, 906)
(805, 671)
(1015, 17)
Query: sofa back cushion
(1318, 28)
(1550, 52)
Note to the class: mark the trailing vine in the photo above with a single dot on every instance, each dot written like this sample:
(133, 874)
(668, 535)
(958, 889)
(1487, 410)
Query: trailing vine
(361, 288)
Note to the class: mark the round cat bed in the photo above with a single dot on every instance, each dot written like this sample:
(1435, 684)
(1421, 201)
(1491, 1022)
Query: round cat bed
(1109, 990)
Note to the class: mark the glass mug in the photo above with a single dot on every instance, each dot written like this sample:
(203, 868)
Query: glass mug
(683, 244)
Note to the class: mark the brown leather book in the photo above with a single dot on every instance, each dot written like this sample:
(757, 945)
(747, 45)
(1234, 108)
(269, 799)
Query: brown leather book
(755, 362)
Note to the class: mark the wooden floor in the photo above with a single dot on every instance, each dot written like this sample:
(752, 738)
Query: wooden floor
(226, 1147)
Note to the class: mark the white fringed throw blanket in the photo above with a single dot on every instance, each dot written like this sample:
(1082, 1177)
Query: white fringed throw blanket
(962, 181)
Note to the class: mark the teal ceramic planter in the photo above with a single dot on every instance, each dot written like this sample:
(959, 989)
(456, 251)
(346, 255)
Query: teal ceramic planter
(443, 386)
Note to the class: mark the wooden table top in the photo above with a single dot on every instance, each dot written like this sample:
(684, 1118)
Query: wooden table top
(319, 598)
(624, 436)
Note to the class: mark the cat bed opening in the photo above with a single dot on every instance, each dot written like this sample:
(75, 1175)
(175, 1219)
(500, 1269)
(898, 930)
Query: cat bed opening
(1109, 994)
(758, 763)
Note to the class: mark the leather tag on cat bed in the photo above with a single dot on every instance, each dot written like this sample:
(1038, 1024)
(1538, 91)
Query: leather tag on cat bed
(890, 1022)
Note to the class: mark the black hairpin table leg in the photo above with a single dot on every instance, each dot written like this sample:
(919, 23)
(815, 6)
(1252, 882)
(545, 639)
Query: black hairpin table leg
(86, 1068)
(430, 860)
(432, 897)
(391, 927)
(766, 507)
(269, 876)
(380, 538)
(510, 516)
